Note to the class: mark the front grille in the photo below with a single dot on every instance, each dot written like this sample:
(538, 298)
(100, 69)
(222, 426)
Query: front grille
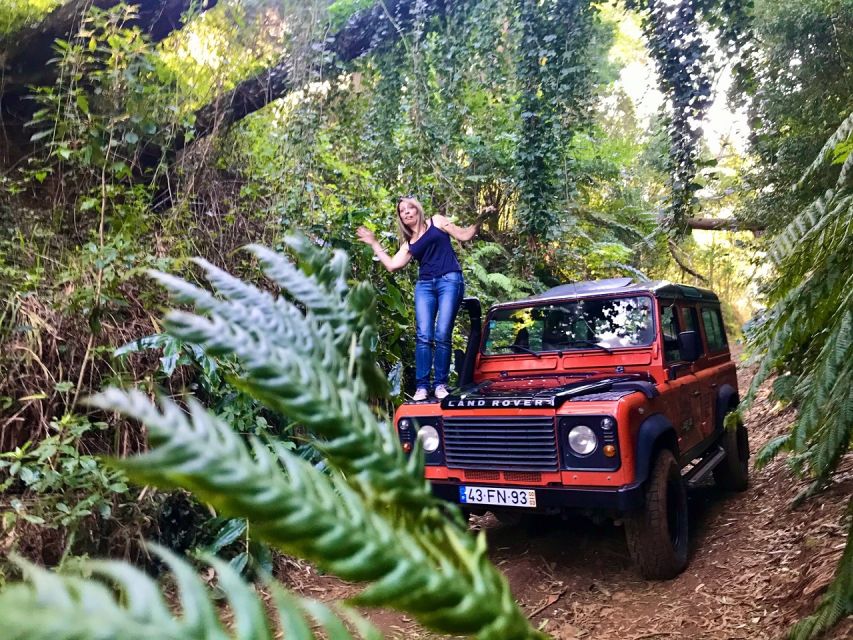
(523, 476)
(482, 475)
(518, 443)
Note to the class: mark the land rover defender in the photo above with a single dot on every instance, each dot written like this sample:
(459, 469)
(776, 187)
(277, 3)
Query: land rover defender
(607, 396)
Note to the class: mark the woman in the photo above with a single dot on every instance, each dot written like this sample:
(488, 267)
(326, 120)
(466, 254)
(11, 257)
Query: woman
(438, 291)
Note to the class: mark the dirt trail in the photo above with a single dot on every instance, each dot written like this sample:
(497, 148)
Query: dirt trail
(756, 564)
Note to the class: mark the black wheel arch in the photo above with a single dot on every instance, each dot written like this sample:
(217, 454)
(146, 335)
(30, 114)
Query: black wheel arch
(727, 399)
(655, 433)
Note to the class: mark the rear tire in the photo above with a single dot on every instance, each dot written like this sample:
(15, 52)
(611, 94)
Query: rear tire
(657, 535)
(732, 474)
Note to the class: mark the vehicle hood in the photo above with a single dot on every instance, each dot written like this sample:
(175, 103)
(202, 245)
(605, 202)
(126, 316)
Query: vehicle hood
(537, 392)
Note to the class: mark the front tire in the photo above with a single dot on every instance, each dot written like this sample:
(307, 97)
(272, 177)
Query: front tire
(657, 535)
(732, 474)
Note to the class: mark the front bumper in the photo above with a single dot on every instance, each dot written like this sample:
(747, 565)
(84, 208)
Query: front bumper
(622, 499)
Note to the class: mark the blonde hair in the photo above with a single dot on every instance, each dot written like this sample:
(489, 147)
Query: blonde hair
(403, 232)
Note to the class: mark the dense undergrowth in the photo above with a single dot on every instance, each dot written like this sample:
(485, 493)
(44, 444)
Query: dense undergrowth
(489, 107)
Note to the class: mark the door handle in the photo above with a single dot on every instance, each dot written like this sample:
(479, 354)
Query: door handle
(696, 393)
(713, 385)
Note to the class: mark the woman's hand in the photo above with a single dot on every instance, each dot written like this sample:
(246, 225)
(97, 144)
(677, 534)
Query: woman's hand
(398, 261)
(366, 236)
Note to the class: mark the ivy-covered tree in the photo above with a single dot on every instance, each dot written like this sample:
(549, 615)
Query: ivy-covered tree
(555, 74)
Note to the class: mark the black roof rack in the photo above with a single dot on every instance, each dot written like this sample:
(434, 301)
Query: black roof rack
(611, 286)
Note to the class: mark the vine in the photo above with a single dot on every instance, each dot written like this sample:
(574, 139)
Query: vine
(675, 40)
(555, 84)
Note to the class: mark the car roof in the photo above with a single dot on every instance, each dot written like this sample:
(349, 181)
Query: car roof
(621, 286)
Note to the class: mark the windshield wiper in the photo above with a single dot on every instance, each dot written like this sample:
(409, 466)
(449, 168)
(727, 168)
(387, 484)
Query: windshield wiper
(590, 343)
(516, 348)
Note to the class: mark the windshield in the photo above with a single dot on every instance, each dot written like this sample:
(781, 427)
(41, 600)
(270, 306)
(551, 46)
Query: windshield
(604, 323)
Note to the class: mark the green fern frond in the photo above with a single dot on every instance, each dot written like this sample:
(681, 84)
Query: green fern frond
(771, 450)
(487, 250)
(442, 577)
(123, 602)
(316, 369)
(809, 330)
(841, 134)
(501, 281)
(788, 238)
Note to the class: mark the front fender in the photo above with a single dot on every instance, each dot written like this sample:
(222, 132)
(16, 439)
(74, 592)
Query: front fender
(655, 431)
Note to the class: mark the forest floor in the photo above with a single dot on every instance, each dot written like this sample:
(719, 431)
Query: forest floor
(756, 564)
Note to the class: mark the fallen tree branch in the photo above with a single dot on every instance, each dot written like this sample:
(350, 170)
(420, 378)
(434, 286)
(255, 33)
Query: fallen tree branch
(25, 54)
(724, 224)
(673, 250)
(365, 31)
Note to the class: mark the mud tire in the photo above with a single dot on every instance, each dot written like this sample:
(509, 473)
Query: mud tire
(657, 535)
(732, 474)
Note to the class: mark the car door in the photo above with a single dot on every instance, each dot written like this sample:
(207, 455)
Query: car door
(682, 385)
(706, 382)
(719, 368)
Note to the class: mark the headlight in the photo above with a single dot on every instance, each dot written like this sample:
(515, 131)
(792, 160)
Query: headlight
(582, 440)
(429, 436)
(404, 424)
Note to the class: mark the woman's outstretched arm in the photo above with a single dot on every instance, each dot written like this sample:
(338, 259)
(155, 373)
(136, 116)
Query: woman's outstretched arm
(399, 259)
(463, 234)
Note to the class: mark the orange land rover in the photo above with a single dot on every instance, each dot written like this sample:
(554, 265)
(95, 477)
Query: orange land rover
(607, 396)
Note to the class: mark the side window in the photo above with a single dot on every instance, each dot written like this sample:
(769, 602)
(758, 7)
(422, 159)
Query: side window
(691, 323)
(669, 329)
(714, 331)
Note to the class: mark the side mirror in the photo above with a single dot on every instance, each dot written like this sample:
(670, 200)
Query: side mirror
(690, 345)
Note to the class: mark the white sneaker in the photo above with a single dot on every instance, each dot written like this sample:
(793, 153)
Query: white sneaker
(420, 395)
(441, 392)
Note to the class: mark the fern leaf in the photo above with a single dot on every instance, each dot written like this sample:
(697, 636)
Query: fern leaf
(297, 365)
(123, 602)
(842, 133)
(441, 577)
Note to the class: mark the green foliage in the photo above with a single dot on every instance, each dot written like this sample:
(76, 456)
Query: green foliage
(798, 87)
(486, 281)
(59, 484)
(555, 80)
(436, 572)
(341, 10)
(677, 35)
(809, 329)
(123, 602)
(17, 14)
(309, 353)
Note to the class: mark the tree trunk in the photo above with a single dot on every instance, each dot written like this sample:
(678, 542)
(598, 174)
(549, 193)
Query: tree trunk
(366, 30)
(25, 54)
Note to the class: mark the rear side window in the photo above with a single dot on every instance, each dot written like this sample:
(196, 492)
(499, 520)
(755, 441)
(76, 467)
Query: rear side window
(715, 334)
(691, 323)
(669, 329)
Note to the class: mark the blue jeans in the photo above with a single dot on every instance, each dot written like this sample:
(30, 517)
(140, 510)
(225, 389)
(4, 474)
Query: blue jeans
(436, 303)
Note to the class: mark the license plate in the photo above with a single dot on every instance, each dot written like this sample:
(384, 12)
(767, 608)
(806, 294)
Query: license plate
(499, 496)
